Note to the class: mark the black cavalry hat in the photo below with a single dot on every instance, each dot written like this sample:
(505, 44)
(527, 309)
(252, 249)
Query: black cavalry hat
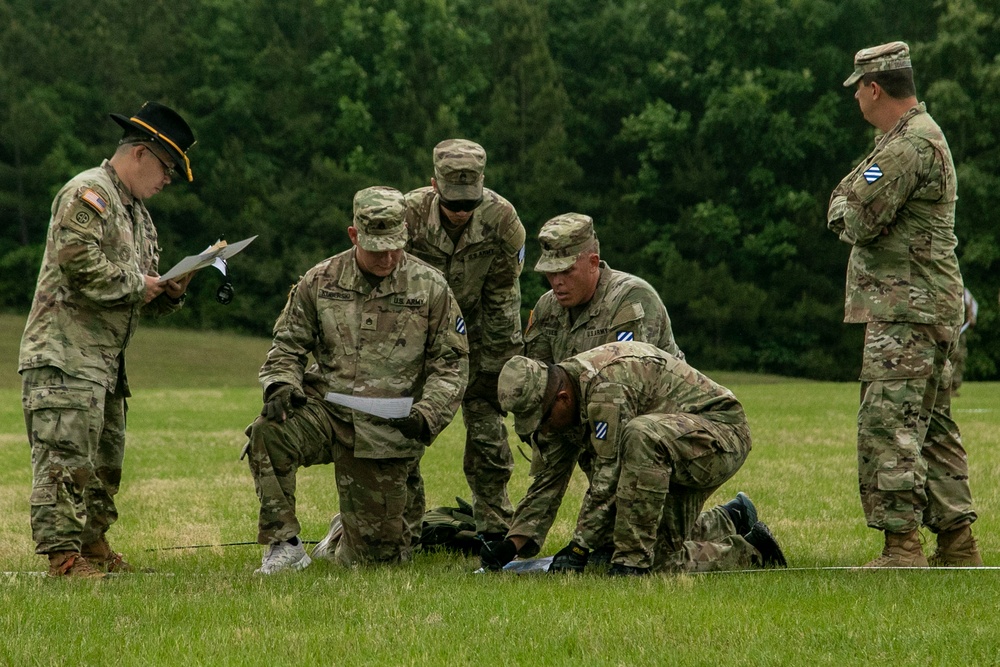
(166, 127)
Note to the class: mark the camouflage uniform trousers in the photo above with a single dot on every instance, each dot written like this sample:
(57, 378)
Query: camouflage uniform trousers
(488, 465)
(912, 468)
(76, 430)
(376, 505)
(957, 360)
(552, 465)
(671, 464)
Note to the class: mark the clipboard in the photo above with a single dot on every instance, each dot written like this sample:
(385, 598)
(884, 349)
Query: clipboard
(220, 250)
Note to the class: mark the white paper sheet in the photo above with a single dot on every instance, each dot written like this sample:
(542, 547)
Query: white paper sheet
(206, 258)
(387, 408)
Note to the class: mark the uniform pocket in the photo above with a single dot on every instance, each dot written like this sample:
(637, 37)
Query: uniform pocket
(43, 494)
(60, 418)
(895, 480)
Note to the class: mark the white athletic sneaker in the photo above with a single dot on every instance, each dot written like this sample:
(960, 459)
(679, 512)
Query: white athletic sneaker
(327, 547)
(283, 556)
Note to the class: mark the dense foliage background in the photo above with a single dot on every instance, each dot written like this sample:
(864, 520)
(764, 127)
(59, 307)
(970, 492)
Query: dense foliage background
(704, 137)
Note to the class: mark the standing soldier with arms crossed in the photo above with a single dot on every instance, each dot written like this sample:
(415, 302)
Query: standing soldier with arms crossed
(590, 304)
(897, 211)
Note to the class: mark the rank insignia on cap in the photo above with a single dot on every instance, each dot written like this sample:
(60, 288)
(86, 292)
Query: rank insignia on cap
(95, 201)
(460, 324)
(624, 336)
(873, 173)
(601, 430)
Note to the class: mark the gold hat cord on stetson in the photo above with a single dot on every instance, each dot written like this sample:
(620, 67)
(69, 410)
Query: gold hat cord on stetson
(158, 135)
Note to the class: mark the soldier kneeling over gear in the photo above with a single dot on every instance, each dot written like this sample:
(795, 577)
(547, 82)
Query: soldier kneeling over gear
(664, 438)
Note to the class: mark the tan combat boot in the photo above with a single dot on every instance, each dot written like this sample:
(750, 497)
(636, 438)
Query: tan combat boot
(956, 548)
(72, 564)
(901, 550)
(105, 558)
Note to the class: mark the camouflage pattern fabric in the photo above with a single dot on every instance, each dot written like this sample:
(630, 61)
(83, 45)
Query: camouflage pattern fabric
(957, 361)
(76, 430)
(378, 219)
(101, 242)
(482, 268)
(622, 382)
(912, 468)
(458, 169)
(960, 354)
(374, 504)
(623, 306)
(897, 210)
(881, 58)
(91, 286)
(671, 464)
(402, 338)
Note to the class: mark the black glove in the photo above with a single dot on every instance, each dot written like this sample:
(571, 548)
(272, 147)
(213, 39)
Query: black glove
(572, 558)
(484, 387)
(413, 426)
(494, 555)
(281, 401)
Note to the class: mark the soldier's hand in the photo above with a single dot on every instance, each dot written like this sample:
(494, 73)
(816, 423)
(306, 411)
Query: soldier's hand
(571, 558)
(281, 401)
(494, 555)
(484, 387)
(413, 426)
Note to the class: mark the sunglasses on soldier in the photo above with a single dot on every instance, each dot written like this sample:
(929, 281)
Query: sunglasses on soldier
(167, 169)
(461, 205)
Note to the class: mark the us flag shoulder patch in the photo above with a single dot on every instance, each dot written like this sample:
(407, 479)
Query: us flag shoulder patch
(94, 200)
(625, 336)
(873, 173)
(460, 325)
(601, 430)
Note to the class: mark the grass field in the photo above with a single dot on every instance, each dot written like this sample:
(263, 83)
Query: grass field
(195, 393)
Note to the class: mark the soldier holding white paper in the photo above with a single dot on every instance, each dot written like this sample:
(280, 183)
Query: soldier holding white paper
(380, 324)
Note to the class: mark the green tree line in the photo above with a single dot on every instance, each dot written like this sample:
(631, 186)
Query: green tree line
(703, 136)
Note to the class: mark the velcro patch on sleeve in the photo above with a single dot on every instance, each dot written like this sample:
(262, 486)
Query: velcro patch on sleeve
(95, 201)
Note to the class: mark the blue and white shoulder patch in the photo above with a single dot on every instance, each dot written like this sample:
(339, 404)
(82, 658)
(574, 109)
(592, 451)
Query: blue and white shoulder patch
(460, 325)
(873, 173)
(600, 430)
(625, 336)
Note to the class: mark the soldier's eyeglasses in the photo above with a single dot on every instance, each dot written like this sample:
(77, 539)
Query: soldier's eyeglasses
(462, 205)
(167, 169)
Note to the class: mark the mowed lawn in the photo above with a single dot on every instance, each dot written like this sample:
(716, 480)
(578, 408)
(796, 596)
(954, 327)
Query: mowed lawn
(184, 485)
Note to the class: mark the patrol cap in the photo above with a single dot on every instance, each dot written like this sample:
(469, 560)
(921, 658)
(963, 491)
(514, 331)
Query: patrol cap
(562, 239)
(521, 390)
(166, 128)
(458, 169)
(378, 217)
(881, 58)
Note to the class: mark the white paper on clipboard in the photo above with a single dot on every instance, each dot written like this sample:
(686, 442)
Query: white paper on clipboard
(387, 408)
(216, 251)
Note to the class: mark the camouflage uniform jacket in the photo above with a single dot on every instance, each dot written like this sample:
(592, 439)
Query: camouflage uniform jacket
(621, 381)
(482, 269)
(623, 308)
(897, 210)
(101, 243)
(403, 338)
